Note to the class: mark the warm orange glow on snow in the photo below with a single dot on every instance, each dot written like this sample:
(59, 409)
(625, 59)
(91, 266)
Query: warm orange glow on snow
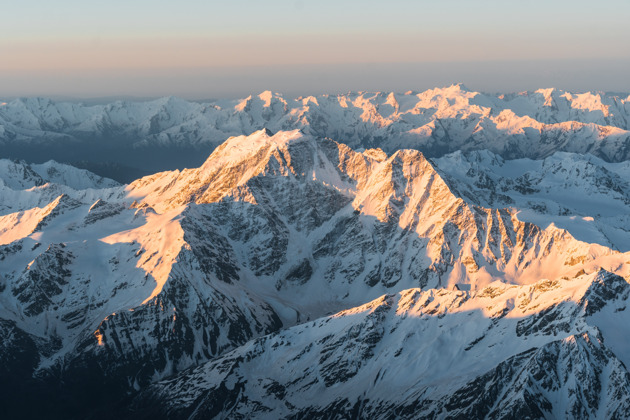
(99, 337)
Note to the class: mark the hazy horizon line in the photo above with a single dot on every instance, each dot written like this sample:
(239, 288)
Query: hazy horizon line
(105, 99)
(501, 76)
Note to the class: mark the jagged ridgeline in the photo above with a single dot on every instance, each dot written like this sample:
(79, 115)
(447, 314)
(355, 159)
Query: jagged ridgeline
(125, 140)
(299, 277)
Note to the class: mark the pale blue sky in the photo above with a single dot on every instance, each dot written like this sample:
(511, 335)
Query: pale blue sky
(201, 49)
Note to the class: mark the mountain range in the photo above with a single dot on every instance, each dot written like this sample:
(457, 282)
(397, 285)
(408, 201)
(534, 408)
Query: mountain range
(124, 139)
(292, 274)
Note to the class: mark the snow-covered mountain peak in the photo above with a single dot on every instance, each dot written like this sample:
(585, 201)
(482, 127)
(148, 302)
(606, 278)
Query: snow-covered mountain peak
(240, 159)
(254, 154)
(454, 97)
(240, 148)
(587, 101)
(546, 92)
(401, 192)
(267, 103)
(391, 100)
(267, 97)
(454, 89)
(25, 186)
(296, 155)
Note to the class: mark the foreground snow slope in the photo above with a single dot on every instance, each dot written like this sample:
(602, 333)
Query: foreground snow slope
(546, 350)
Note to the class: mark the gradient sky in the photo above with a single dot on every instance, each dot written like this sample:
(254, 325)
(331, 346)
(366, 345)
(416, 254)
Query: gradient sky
(209, 49)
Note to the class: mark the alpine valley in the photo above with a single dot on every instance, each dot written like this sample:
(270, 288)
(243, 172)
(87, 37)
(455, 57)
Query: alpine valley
(444, 254)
